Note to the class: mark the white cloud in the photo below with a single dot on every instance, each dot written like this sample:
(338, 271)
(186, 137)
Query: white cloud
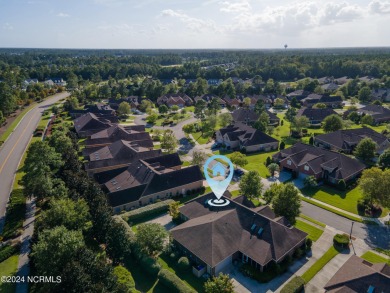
(193, 24)
(62, 14)
(7, 26)
(379, 7)
(241, 6)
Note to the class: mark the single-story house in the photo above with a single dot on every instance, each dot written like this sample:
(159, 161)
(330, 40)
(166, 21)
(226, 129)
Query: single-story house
(316, 116)
(180, 100)
(99, 108)
(233, 103)
(134, 102)
(131, 133)
(330, 87)
(298, 94)
(119, 154)
(215, 237)
(342, 80)
(306, 160)
(90, 123)
(145, 181)
(382, 94)
(329, 101)
(244, 137)
(55, 81)
(347, 140)
(379, 113)
(357, 275)
(249, 116)
(208, 97)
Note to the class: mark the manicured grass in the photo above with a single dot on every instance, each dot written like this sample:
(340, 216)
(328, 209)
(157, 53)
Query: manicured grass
(356, 219)
(8, 268)
(312, 220)
(346, 200)
(235, 193)
(313, 232)
(384, 251)
(319, 264)
(186, 163)
(185, 275)
(44, 120)
(375, 258)
(11, 128)
(199, 138)
(190, 108)
(255, 161)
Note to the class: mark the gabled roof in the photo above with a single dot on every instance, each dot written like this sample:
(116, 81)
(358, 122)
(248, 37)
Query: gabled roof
(94, 122)
(341, 166)
(119, 153)
(345, 139)
(213, 234)
(357, 275)
(150, 176)
(315, 114)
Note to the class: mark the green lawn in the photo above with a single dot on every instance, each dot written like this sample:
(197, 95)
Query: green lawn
(235, 193)
(11, 128)
(8, 268)
(319, 264)
(255, 161)
(44, 120)
(340, 213)
(312, 220)
(185, 275)
(313, 232)
(199, 138)
(190, 108)
(375, 258)
(186, 163)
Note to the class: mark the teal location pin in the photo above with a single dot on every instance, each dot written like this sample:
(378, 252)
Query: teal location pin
(219, 182)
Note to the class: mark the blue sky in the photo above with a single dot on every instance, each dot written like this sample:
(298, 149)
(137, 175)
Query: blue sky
(193, 24)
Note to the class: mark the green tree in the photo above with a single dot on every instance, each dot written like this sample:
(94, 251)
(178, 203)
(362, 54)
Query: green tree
(169, 141)
(225, 119)
(200, 107)
(310, 181)
(175, 108)
(151, 239)
(300, 123)
(214, 106)
(319, 106)
(287, 203)
(54, 249)
(272, 192)
(173, 210)
(209, 124)
(220, 284)
(125, 278)
(238, 159)
(354, 117)
(272, 168)
(259, 106)
(375, 186)
(152, 118)
(262, 123)
(2, 119)
(332, 123)
(246, 102)
(384, 159)
(145, 105)
(251, 185)
(198, 158)
(119, 240)
(279, 103)
(124, 108)
(367, 120)
(163, 109)
(291, 113)
(365, 149)
(364, 94)
(73, 215)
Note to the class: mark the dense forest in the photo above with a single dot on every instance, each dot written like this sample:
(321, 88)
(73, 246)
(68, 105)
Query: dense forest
(145, 69)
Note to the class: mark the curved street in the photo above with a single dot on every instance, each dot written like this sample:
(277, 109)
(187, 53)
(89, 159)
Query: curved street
(12, 150)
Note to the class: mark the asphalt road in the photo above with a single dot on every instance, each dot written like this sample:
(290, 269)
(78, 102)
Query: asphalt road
(373, 235)
(12, 150)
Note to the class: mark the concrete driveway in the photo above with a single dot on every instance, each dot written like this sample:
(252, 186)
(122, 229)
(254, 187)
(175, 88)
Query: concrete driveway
(298, 182)
(284, 176)
(164, 220)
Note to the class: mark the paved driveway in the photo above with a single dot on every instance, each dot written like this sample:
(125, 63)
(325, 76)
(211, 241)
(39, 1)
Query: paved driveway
(298, 182)
(164, 220)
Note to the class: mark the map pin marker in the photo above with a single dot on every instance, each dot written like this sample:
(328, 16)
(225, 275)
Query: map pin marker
(218, 182)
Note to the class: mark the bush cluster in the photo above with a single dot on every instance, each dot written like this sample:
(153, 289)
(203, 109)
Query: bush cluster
(183, 263)
(294, 286)
(7, 251)
(341, 240)
(148, 210)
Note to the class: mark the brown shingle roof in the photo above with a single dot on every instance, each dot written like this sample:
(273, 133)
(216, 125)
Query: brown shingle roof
(213, 234)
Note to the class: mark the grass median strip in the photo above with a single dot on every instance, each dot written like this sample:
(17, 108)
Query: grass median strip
(313, 232)
(312, 220)
(319, 264)
(375, 258)
(356, 219)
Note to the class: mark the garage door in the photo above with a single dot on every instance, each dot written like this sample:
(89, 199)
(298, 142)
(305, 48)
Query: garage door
(302, 175)
(223, 264)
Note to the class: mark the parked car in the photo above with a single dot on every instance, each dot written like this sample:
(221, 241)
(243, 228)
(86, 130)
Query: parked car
(216, 145)
(238, 172)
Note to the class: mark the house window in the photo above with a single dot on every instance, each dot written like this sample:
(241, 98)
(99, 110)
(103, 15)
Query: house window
(306, 168)
(289, 162)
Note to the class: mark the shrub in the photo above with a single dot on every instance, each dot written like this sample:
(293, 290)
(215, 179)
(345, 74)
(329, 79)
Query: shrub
(148, 210)
(309, 243)
(173, 255)
(294, 286)
(341, 240)
(125, 278)
(282, 145)
(150, 265)
(7, 251)
(173, 282)
(311, 140)
(298, 253)
(268, 161)
(341, 185)
(183, 263)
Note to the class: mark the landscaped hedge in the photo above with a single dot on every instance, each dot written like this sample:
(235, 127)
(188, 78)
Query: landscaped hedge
(341, 240)
(146, 211)
(149, 264)
(294, 286)
(7, 251)
(16, 210)
(173, 282)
